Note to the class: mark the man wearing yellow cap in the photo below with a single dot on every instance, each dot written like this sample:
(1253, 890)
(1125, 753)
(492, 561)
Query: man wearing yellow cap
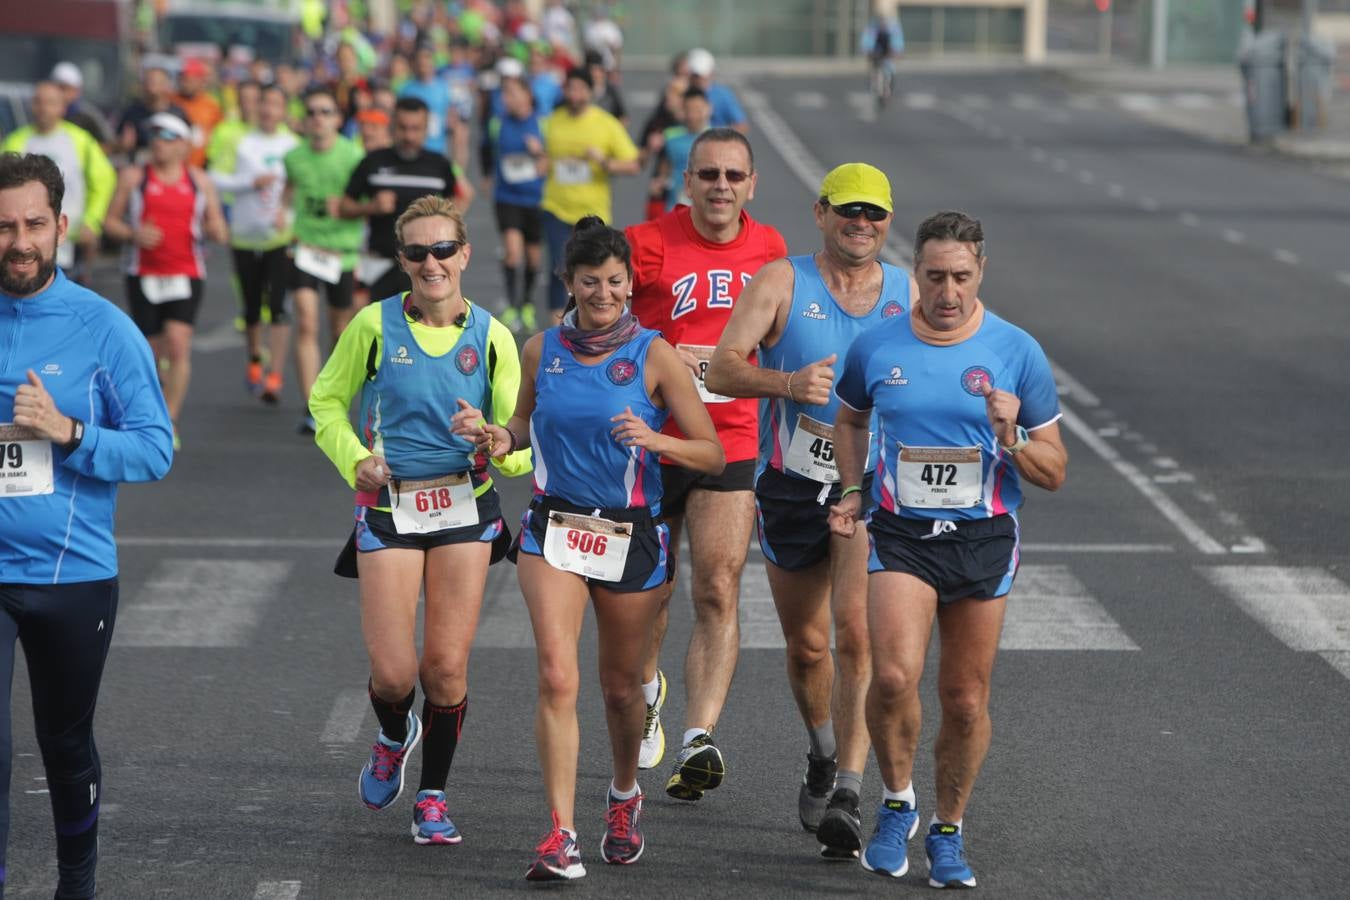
(800, 314)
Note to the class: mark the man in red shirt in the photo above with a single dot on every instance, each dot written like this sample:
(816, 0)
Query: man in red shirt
(689, 266)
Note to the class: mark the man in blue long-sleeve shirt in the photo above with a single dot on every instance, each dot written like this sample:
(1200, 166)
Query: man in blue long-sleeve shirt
(80, 411)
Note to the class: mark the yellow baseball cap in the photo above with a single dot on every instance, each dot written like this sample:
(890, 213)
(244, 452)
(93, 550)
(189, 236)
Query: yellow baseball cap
(857, 183)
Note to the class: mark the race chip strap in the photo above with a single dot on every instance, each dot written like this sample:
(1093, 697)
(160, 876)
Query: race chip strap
(425, 507)
(587, 545)
(25, 462)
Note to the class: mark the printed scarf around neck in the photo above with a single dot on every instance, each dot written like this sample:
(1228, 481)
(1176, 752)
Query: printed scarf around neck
(930, 335)
(597, 343)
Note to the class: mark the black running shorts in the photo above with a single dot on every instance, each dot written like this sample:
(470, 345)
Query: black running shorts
(793, 523)
(970, 558)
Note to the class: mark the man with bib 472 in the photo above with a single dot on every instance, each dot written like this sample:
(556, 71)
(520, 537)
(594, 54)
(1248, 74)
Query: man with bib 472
(965, 410)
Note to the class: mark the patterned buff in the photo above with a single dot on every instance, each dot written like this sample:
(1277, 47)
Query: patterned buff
(597, 343)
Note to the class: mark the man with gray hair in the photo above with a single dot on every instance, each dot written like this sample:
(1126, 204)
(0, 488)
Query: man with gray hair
(965, 409)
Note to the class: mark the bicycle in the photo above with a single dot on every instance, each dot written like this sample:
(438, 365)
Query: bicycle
(881, 81)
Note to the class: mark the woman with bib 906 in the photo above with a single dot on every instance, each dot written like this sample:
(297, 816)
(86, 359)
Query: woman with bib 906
(595, 393)
(426, 510)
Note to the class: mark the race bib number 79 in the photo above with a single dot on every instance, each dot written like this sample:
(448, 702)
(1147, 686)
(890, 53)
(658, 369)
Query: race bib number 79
(25, 462)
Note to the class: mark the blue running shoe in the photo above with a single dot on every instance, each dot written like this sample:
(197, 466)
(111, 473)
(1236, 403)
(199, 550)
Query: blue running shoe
(381, 780)
(887, 853)
(431, 820)
(947, 866)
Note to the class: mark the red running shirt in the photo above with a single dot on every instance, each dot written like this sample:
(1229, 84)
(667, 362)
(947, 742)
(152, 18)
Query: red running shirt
(685, 286)
(177, 209)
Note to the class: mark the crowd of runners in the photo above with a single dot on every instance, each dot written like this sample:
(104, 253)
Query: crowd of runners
(683, 377)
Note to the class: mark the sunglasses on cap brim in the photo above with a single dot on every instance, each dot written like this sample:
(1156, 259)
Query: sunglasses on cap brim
(853, 210)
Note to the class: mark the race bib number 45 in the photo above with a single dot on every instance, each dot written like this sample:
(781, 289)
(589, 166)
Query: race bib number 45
(25, 462)
(587, 545)
(425, 507)
(941, 477)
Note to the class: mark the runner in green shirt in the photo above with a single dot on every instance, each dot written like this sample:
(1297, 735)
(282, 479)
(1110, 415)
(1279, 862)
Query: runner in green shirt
(326, 245)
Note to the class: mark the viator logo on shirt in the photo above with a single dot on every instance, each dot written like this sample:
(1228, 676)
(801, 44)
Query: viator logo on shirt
(812, 311)
(402, 358)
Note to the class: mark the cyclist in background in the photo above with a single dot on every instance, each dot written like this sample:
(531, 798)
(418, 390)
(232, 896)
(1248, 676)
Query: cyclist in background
(882, 41)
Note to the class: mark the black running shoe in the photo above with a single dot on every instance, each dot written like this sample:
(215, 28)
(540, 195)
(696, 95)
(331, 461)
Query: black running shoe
(840, 829)
(698, 768)
(814, 795)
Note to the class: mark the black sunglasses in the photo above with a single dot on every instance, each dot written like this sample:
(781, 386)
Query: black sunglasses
(320, 111)
(853, 210)
(734, 176)
(441, 250)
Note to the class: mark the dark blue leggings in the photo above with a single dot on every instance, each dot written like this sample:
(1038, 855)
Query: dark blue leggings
(556, 233)
(65, 630)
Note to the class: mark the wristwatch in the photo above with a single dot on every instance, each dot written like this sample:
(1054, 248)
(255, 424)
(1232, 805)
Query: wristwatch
(1022, 440)
(76, 435)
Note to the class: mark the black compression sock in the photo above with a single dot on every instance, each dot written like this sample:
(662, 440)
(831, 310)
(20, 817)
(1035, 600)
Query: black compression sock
(393, 716)
(441, 725)
(531, 275)
(509, 275)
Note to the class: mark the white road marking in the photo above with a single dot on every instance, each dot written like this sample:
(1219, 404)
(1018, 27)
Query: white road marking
(1189, 219)
(1138, 102)
(1343, 278)
(1059, 164)
(809, 99)
(975, 101)
(277, 890)
(1084, 101)
(1039, 155)
(1233, 236)
(1193, 101)
(1072, 387)
(1148, 204)
(1086, 177)
(1164, 504)
(1115, 190)
(1288, 257)
(200, 603)
(1305, 607)
(1024, 101)
(1097, 548)
(347, 717)
(1050, 609)
(919, 100)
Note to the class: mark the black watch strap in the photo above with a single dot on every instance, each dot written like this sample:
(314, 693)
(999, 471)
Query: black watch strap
(77, 435)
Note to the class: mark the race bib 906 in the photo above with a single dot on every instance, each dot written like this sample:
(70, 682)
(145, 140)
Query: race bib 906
(587, 545)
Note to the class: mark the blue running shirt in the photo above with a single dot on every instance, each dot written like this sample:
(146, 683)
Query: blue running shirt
(926, 402)
(406, 409)
(576, 459)
(816, 327)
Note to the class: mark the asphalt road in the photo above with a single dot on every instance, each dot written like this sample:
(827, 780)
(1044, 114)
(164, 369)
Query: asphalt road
(1170, 704)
